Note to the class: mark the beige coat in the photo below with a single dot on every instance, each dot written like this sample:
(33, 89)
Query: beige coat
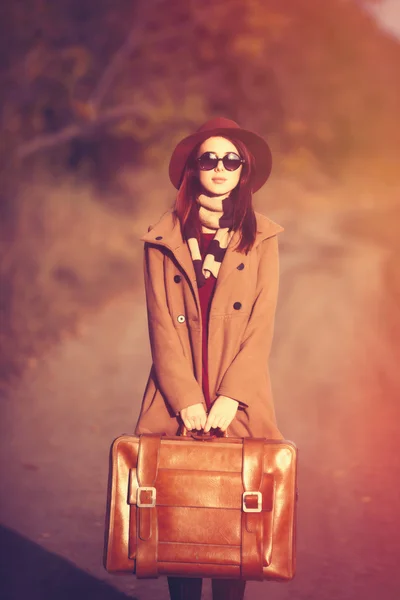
(240, 330)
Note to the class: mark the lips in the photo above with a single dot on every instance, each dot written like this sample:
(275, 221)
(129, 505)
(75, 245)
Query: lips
(218, 179)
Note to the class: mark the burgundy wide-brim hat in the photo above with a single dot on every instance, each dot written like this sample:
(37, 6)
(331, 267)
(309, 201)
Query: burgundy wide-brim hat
(220, 126)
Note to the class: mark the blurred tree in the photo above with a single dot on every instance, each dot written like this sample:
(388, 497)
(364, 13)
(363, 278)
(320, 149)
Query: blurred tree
(308, 74)
(90, 87)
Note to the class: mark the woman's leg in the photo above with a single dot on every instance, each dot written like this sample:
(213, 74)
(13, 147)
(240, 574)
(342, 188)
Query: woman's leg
(185, 588)
(228, 589)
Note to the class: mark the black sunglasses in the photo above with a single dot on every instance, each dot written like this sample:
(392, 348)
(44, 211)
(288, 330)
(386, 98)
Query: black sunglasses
(209, 160)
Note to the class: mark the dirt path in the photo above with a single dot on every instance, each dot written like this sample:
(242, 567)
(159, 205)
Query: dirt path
(336, 384)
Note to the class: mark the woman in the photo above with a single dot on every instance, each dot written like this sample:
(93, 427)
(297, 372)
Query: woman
(211, 280)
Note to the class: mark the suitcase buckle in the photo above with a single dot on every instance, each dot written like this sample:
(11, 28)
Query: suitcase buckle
(259, 502)
(152, 502)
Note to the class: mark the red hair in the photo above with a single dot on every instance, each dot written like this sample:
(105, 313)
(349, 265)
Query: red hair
(244, 219)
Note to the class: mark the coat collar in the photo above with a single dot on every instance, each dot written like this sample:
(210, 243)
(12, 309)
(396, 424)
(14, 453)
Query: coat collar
(170, 236)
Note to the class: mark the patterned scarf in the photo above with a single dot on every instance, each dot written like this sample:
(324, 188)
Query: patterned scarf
(213, 214)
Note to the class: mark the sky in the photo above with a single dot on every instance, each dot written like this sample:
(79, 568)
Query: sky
(388, 14)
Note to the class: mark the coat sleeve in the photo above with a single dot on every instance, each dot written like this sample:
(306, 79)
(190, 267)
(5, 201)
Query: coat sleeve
(174, 371)
(251, 361)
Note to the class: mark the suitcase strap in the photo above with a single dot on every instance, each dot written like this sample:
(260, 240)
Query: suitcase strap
(252, 518)
(147, 537)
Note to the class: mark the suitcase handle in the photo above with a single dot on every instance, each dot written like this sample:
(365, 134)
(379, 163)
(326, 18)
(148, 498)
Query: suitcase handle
(202, 437)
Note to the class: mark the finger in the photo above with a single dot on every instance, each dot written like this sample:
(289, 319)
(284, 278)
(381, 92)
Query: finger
(220, 422)
(187, 424)
(224, 426)
(203, 421)
(207, 425)
(211, 422)
(198, 422)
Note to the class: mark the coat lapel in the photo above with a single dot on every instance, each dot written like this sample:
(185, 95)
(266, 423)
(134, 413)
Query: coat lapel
(166, 234)
(170, 237)
(232, 259)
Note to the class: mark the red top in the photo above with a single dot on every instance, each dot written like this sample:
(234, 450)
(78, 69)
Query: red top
(206, 293)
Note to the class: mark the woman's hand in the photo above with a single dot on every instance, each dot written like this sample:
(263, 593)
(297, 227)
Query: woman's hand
(222, 413)
(194, 416)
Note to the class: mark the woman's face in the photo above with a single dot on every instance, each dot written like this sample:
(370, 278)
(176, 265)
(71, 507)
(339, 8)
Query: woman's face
(219, 181)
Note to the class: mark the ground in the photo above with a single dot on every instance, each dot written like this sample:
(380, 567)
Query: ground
(336, 385)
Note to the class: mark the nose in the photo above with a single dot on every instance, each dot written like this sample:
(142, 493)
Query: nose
(220, 166)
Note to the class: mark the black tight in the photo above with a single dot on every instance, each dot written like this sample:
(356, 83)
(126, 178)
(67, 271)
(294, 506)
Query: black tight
(189, 588)
(184, 588)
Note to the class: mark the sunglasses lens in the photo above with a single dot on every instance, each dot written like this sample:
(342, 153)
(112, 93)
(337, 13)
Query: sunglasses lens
(207, 161)
(232, 162)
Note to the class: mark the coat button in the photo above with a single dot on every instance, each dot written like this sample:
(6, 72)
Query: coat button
(159, 237)
(237, 305)
(181, 319)
(240, 267)
(177, 278)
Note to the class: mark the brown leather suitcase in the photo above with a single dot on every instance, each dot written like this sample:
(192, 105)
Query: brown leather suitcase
(201, 506)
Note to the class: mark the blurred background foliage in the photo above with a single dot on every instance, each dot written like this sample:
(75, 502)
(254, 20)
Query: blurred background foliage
(96, 94)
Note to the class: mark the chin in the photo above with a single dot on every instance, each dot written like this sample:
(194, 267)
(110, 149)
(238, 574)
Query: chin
(219, 190)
